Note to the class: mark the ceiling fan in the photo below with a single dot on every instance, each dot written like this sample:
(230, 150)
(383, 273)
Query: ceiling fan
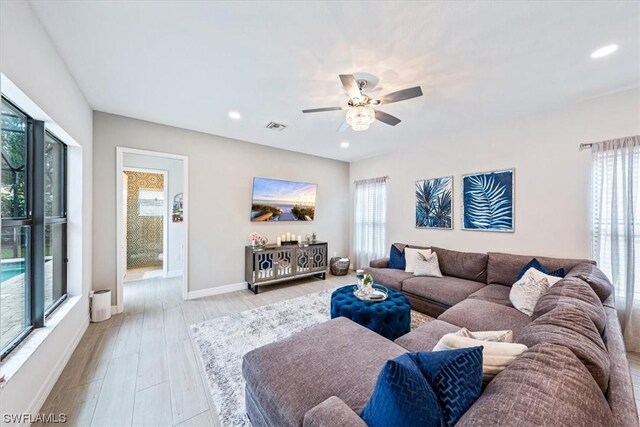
(360, 111)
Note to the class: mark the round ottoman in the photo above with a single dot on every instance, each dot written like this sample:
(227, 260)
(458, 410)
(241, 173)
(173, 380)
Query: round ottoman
(390, 318)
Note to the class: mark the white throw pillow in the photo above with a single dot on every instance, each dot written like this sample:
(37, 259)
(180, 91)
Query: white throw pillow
(526, 292)
(411, 257)
(496, 356)
(427, 266)
(494, 336)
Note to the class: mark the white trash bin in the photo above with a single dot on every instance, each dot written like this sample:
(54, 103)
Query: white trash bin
(101, 306)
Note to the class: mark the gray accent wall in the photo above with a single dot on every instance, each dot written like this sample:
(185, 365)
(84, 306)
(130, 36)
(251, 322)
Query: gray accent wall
(221, 172)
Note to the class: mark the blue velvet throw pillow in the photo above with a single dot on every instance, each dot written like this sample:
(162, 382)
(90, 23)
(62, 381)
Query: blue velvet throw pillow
(402, 397)
(538, 266)
(397, 259)
(426, 388)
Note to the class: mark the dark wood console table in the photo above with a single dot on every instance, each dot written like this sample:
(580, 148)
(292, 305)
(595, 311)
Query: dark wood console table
(274, 264)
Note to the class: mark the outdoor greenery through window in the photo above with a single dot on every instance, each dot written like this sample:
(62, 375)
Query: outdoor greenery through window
(33, 243)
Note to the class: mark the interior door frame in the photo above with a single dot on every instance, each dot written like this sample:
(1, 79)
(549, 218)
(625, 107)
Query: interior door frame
(120, 265)
(165, 215)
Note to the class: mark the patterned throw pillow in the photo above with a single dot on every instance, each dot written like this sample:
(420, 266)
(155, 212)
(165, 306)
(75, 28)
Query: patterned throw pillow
(402, 396)
(396, 258)
(427, 265)
(411, 256)
(534, 263)
(526, 292)
(426, 389)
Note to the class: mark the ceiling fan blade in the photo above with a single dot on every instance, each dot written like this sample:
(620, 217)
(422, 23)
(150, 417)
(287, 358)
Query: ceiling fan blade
(351, 86)
(343, 126)
(387, 118)
(319, 110)
(401, 95)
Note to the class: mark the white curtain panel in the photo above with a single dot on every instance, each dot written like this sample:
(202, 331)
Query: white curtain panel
(370, 218)
(616, 226)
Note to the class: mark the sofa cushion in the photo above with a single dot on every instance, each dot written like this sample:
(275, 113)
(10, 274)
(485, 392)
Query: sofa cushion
(445, 290)
(389, 277)
(465, 265)
(426, 336)
(279, 374)
(332, 412)
(570, 327)
(498, 294)
(545, 386)
(503, 268)
(478, 315)
(575, 293)
(595, 278)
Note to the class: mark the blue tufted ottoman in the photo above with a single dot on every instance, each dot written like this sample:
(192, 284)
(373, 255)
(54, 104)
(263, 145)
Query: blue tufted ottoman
(390, 318)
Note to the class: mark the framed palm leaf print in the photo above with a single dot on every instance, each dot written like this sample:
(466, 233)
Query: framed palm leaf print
(434, 203)
(488, 201)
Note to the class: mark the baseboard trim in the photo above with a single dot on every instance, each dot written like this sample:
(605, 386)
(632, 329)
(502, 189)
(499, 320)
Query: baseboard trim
(43, 393)
(175, 273)
(217, 290)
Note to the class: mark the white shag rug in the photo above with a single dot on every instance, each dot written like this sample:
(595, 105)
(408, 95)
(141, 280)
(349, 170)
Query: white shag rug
(223, 341)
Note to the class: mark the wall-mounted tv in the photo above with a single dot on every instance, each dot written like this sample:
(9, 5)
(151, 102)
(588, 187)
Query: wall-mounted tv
(278, 200)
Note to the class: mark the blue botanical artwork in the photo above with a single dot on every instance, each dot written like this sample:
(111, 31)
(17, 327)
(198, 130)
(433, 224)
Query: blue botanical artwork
(487, 201)
(433, 203)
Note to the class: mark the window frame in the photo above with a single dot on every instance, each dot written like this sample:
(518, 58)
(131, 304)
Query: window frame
(36, 221)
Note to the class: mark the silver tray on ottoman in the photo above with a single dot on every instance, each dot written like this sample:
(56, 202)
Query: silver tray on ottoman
(379, 293)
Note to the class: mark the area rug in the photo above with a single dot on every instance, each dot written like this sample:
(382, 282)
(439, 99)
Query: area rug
(222, 342)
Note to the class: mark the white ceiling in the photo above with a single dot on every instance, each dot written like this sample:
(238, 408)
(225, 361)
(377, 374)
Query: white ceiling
(187, 64)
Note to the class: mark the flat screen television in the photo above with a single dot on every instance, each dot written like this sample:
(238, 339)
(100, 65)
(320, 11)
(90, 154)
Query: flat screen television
(278, 200)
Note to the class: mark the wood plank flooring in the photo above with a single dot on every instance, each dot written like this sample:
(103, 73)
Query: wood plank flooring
(140, 368)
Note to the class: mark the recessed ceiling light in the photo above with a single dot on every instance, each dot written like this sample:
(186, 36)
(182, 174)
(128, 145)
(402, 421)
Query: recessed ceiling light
(604, 51)
(344, 144)
(234, 115)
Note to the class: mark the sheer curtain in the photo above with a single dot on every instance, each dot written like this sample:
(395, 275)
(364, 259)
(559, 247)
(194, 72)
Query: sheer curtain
(616, 220)
(370, 218)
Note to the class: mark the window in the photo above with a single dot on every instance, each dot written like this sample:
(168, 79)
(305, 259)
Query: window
(33, 242)
(370, 220)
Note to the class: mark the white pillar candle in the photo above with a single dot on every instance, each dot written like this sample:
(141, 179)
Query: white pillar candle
(278, 241)
(299, 238)
(288, 237)
(284, 238)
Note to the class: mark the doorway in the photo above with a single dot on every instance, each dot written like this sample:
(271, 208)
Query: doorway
(146, 223)
(152, 225)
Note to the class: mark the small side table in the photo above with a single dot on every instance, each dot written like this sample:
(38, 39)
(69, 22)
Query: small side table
(390, 318)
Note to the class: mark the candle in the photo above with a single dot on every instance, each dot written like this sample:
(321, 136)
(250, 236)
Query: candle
(299, 238)
(278, 241)
(284, 238)
(288, 237)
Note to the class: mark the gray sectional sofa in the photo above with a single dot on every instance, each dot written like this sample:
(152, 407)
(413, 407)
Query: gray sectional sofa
(574, 373)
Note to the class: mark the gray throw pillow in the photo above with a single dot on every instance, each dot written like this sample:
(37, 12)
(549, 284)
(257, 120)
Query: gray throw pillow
(427, 266)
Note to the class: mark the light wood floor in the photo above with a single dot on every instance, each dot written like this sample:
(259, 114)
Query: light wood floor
(140, 369)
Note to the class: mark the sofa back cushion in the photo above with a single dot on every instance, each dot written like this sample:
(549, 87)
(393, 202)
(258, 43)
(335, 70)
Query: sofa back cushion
(504, 268)
(570, 327)
(547, 385)
(594, 277)
(464, 265)
(572, 292)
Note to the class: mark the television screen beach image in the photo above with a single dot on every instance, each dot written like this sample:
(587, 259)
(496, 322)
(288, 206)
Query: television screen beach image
(278, 200)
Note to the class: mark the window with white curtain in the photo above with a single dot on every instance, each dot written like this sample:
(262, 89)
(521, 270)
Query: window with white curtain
(370, 220)
(616, 226)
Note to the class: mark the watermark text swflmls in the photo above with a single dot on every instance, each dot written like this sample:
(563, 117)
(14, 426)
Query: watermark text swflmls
(34, 418)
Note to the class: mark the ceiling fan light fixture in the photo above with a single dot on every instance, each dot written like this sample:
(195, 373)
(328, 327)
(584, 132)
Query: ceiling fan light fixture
(361, 117)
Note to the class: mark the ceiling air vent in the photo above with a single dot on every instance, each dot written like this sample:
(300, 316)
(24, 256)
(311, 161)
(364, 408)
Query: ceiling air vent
(276, 126)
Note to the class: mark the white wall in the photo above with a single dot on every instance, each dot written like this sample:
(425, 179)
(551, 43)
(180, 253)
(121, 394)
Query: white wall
(29, 59)
(221, 172)
(552, 189)
(174, 169)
